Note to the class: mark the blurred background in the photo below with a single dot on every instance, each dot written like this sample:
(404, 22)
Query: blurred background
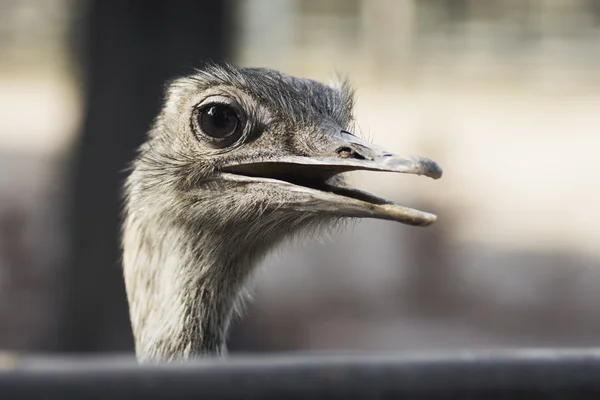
(504, 95)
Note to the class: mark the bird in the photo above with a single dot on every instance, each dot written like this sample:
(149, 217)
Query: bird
(237, 161)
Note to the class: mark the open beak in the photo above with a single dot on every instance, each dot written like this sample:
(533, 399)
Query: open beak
(318, 188)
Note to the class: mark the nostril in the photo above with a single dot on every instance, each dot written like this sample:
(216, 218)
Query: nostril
(347, 152)
(344, 152)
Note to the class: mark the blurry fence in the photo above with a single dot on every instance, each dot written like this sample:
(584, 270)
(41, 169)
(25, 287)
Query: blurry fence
(529, 374)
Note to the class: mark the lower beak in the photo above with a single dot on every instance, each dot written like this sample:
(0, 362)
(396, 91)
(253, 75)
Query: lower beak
(317, 187)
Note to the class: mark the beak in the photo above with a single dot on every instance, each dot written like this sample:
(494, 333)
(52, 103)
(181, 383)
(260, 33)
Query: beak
(318, 188)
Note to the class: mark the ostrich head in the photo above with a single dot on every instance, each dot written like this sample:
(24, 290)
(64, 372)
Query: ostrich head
(237, 160)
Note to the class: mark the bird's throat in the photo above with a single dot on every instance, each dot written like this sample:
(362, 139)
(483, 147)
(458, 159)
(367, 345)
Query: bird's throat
(181, 300)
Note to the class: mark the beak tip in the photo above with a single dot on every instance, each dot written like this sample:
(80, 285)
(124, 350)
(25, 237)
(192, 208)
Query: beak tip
(433, 170)
(430, 220)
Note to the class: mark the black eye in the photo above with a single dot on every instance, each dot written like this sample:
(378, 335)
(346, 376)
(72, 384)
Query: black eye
(217, 120)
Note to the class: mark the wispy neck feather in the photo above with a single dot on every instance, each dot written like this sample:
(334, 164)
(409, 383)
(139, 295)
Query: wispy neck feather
(181, 297)
(184, 280)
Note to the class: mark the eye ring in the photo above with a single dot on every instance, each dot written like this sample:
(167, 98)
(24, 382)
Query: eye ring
(218, 122)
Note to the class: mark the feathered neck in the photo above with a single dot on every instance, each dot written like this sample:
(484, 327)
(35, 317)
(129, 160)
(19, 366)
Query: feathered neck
(181, 296)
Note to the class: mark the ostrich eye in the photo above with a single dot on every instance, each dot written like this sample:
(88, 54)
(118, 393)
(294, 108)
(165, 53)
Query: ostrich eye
(217, 121)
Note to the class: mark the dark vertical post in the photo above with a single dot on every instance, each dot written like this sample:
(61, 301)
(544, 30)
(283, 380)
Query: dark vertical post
(132, 47)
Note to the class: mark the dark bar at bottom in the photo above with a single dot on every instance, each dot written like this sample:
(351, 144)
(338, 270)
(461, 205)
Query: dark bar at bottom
(528, 374)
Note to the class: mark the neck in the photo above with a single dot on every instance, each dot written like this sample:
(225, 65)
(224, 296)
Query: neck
(181, 297)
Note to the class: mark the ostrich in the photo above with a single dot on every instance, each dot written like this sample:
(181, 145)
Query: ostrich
(237, 161)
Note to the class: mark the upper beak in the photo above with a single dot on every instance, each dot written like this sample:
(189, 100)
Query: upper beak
(310, 177)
